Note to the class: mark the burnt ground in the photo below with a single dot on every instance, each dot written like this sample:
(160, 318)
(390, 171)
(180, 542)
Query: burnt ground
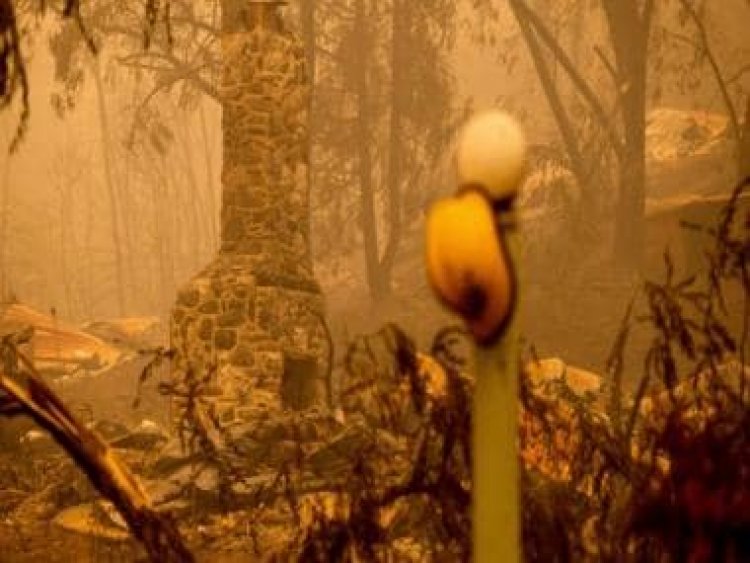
(572, 313)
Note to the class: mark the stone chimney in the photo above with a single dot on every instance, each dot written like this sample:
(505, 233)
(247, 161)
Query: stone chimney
(254, 315)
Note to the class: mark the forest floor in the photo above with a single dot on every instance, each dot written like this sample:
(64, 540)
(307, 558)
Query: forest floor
(573, 311)
(576, 320)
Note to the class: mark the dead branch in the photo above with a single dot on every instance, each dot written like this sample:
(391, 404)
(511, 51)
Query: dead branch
(13, 75)
(533, 21)
(721, 83)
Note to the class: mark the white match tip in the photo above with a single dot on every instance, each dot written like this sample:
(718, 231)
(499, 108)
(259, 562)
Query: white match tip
(492, 152)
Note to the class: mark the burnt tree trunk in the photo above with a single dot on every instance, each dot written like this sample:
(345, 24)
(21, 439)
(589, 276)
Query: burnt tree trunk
(376, 283)
(4, 218)
(400, 24)
(112, 194)
(629, 26)
(629, 29)
(743, 158)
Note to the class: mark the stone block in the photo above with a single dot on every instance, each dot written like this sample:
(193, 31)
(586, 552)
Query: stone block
(270, 358)
(227, 413)
(233, 304)
(206, 329)
(267, 399)
(242, 356)
(225, 339)
(188, 297)
(178, 316)
(241, 292)
(210, 307)
(232, 318)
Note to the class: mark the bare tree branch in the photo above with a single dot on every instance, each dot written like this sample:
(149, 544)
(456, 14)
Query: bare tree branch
(13, 73)
(611, 70)
(72, 9)
(712, 61)
(575, 76)
(737, 76)
(647, 14)
(545, 76)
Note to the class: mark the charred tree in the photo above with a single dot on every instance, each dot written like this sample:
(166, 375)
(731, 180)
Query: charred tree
(628, 24)
(111, 188)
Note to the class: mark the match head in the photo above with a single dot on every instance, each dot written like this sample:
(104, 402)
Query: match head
(492, 153)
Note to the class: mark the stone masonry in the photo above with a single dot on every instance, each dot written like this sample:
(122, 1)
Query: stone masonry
(254, 315)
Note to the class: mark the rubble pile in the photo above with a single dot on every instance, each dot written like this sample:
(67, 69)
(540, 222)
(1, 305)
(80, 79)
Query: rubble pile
(267, 486)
